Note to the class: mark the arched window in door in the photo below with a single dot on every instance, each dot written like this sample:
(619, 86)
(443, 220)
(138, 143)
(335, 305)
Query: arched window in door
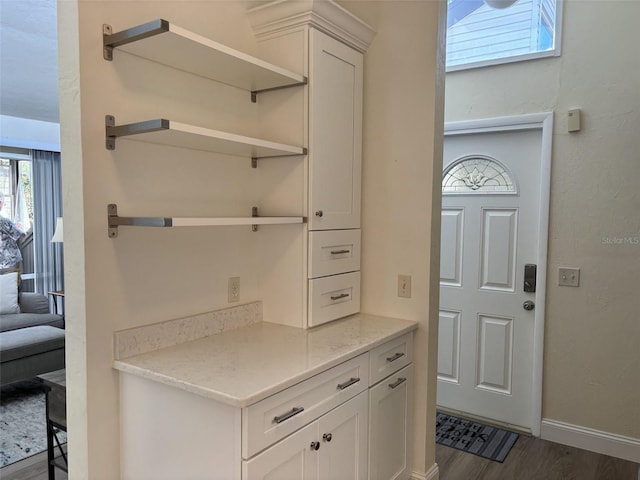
(477, 174)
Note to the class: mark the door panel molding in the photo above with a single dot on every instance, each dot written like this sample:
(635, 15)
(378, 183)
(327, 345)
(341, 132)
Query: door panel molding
(452, 222)
(536, 121)
(449, 335)
(495, 354)
(498, 251)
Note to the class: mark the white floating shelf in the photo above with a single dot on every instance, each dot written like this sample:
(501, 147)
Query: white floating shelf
(171, 45)
(116, 221)
(167, 132)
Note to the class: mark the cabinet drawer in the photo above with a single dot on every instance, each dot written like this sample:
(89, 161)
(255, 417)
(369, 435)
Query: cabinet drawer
(390, 357)
(333, 251)
(275, 417)
(333, 297)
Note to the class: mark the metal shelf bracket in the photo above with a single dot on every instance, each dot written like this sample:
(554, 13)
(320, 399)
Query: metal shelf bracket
(254, 93)
(254, 213)
(112, 131)
(111, 40)
(254, 160)
(114, 221)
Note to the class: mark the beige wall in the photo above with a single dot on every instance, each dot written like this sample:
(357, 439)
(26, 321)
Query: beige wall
(149, 275)
(401, 162)
(592, 333)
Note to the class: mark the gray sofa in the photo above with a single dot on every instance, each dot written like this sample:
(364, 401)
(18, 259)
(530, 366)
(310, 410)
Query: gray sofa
(32, 341)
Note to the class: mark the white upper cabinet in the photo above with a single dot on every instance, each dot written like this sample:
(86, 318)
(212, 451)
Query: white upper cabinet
(335, 133)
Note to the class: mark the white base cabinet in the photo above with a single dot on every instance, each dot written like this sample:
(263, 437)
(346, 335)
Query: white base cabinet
(334, 447)
(391, 426)
(344, 423)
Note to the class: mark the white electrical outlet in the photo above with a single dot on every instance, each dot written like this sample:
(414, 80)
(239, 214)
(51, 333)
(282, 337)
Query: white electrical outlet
(404, 286)
(569, 277)
(234, 289)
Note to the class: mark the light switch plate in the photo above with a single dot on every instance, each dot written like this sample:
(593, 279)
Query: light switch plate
(569, 277)
(234, 290)
(404, 286)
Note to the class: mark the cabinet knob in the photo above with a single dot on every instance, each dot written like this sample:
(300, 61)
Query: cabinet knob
(315, 445)
(319, 213)
(327, 437)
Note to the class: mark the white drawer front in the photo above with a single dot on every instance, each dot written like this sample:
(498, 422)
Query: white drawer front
(390, 357)
(275, 417)
(333, 297)
(333, 251)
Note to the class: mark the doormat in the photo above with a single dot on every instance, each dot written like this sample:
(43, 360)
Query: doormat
(473, 437)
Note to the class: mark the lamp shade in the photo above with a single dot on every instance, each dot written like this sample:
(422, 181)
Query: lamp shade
(500, 4)
(58, 233)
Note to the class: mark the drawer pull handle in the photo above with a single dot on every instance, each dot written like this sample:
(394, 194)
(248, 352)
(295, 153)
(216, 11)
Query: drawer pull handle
(315, 446)
(288, 415)
(327, 437)
(395, 357)
(348, 383)
(398, 382)
(338, 297)
(319, 213)
(339, 252)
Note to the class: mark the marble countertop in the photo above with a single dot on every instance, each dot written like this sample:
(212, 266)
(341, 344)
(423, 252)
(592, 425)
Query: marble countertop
(243, 366)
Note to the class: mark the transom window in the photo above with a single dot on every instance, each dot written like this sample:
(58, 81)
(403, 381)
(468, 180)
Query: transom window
(477, 174)
(489, 32)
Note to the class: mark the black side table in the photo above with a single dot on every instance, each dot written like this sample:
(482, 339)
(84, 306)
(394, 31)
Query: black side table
(56, 413)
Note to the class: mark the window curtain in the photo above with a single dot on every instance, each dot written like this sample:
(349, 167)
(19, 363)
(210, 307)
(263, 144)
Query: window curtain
(47, 206)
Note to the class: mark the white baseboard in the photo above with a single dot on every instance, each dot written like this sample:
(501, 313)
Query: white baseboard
(431, 474)
(597, 441)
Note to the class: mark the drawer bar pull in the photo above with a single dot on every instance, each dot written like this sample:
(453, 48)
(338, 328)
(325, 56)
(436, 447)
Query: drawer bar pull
(286, 416)
(339, 252)
(348, 383)
(395, 357)
(338, 297)
(397, 383)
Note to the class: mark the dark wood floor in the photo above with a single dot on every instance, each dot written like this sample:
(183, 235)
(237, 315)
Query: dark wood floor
(32, 468)
(534, 459)
(529, 459)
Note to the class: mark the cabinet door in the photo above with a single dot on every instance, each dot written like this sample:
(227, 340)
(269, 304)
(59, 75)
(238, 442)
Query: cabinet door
(343, 440)
(335, 133)
(290, 459)
(391, 427)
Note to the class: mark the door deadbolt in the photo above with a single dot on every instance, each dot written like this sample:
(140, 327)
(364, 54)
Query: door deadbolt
(528, 305)
(530, 271)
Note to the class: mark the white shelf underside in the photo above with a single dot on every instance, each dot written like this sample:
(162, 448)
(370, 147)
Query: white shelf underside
(199, 138)
(211, 60)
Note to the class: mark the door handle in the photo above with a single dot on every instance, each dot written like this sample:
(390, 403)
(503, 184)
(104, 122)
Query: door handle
(528, 305)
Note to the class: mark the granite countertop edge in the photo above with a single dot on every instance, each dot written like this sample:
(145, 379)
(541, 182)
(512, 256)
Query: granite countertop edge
(209, 390)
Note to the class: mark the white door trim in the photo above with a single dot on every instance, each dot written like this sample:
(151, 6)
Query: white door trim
(535, 121)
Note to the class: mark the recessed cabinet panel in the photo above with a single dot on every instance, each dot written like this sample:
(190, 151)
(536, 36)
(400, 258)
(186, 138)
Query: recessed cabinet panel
(291, 458)
(344, 435)
(335, 133)
(333, 251)
(333, 297)
(391, 426)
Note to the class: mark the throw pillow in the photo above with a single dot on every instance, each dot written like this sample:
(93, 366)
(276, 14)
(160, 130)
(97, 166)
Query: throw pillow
(9, 293)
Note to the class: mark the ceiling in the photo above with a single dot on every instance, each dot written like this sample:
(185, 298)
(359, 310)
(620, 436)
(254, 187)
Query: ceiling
(29, 59)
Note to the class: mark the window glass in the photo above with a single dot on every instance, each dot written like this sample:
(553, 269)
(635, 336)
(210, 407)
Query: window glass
(477, 174)
(487, 32)
(15, 185)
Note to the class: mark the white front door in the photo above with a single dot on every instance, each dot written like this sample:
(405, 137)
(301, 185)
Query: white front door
(490, 231)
